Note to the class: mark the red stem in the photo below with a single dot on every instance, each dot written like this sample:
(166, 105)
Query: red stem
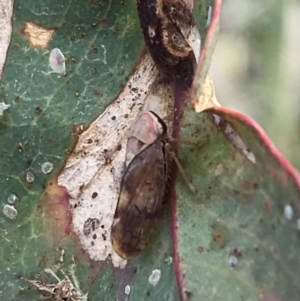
(180, 94)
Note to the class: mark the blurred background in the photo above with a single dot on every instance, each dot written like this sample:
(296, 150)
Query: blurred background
(256, 67)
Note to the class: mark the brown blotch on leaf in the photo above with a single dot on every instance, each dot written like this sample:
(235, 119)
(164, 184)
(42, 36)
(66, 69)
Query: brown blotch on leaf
(37, 35)
(38, 111)
(188, 295)
(266, 296)
(54, 205)
(103, 21)
(219, 236)
(267, 206)
(97, 91)
(200, 249)
(237, 253)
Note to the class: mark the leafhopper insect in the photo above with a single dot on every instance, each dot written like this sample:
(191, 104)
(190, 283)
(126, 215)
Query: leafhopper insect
(140, 203)
(143, 186)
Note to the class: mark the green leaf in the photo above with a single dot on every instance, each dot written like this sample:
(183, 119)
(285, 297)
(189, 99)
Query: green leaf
(238, 209)
(101, 41)
(238, 214)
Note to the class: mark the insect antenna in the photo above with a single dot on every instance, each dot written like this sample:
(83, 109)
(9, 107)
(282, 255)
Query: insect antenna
(181, 170)
(195, 144)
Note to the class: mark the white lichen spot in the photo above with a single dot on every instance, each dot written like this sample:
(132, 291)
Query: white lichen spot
(57, 61)
(12, 198)
(169, 260)
(104, 54)
(127, 290)
(10, 211)
(29, 177)
(47, 167)
(154, 277)
(219, 169)
(3, 107)
(233, 261)
(288, 212)
(298, 224)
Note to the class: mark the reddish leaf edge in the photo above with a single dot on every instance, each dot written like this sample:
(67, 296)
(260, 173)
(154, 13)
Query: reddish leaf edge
(262, 135)
(205, 55)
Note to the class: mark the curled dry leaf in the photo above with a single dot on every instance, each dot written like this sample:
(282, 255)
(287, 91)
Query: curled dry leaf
(202, 94)
(208, 97)
(171, 36)
(93, 172)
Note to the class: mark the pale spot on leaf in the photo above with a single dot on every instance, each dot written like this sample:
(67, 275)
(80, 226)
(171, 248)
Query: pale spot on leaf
(37, 35)
(3, 107)
(219, 169)
(288, 211)
(154, 277)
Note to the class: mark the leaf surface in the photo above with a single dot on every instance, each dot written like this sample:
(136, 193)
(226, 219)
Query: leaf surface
(234, 238)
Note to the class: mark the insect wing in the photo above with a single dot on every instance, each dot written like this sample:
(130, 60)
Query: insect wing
(140, 203)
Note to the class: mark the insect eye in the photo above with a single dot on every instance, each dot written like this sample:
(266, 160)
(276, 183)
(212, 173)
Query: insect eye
(160, 126)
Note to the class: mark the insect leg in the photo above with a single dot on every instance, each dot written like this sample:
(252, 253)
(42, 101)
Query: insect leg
(50, 272)
(195, 144)
(73, 275)
(189, 184)
(60, 262)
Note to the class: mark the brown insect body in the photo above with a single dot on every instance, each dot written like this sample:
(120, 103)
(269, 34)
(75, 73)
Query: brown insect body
(140, 203)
